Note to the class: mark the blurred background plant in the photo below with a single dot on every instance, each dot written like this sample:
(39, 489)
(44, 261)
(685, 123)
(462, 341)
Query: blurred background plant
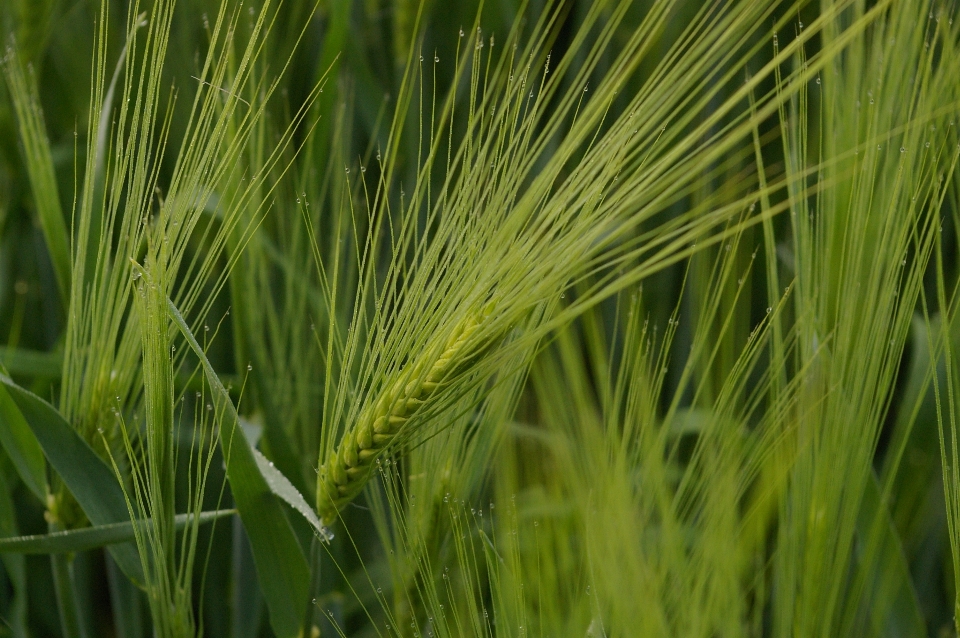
(537, 318)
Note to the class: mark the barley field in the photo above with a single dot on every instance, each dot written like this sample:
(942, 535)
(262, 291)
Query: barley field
(435, 318)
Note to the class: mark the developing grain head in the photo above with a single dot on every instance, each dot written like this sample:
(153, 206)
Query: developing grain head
(348, 467)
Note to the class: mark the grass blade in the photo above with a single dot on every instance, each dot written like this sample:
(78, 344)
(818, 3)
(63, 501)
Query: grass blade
(246, 601)
(281, 566)
(79, 540)
(30, 363)
(125, 602)
(22, 447)
(92, 483)
(894, 607)
(281, 486)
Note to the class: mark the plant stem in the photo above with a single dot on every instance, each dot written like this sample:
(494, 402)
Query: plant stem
(62, 566)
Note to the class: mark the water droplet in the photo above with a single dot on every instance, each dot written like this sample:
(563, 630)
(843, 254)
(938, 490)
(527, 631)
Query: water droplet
(249, 367)
(436, 59)
(209, 407)
(818, 80)
(769, 310)
(461, 33)
(903, 150)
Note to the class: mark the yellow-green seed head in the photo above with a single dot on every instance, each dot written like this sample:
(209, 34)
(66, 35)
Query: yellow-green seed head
(347, 468)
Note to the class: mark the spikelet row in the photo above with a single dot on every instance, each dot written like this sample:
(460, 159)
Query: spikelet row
(348, 467)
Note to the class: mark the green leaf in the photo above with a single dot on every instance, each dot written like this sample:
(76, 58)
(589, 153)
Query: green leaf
(281, 566)
(246, 601)
(282, 487)
(22, 447)
(126, 603)
(30, 362)
(78, 540)
(889, 592)
(89, 479)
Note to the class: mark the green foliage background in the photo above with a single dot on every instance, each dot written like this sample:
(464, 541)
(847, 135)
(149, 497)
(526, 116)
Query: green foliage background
(397, 318)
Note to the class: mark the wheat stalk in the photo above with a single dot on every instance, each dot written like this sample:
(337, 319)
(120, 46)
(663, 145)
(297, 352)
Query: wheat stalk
(348, 467)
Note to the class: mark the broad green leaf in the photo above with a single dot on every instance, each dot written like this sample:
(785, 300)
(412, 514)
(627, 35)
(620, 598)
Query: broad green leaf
(914, 451)
(78, 540)
(126, 603)
(282, 487)
(91, 482)
(275, 441)
(22, 446)
(30, 362)
(246, 615)
(281, 566)
(889, 592)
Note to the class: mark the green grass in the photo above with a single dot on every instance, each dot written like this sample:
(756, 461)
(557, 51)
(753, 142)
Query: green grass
(386, 318)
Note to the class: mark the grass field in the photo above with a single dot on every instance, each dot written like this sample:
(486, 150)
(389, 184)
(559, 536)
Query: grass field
(517, 318)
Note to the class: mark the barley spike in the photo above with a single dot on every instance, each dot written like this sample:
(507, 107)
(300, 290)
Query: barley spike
(348, 467)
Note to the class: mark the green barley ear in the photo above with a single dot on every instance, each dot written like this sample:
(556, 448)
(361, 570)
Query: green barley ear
(39, 164)
(154, 476)
(348, 467)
